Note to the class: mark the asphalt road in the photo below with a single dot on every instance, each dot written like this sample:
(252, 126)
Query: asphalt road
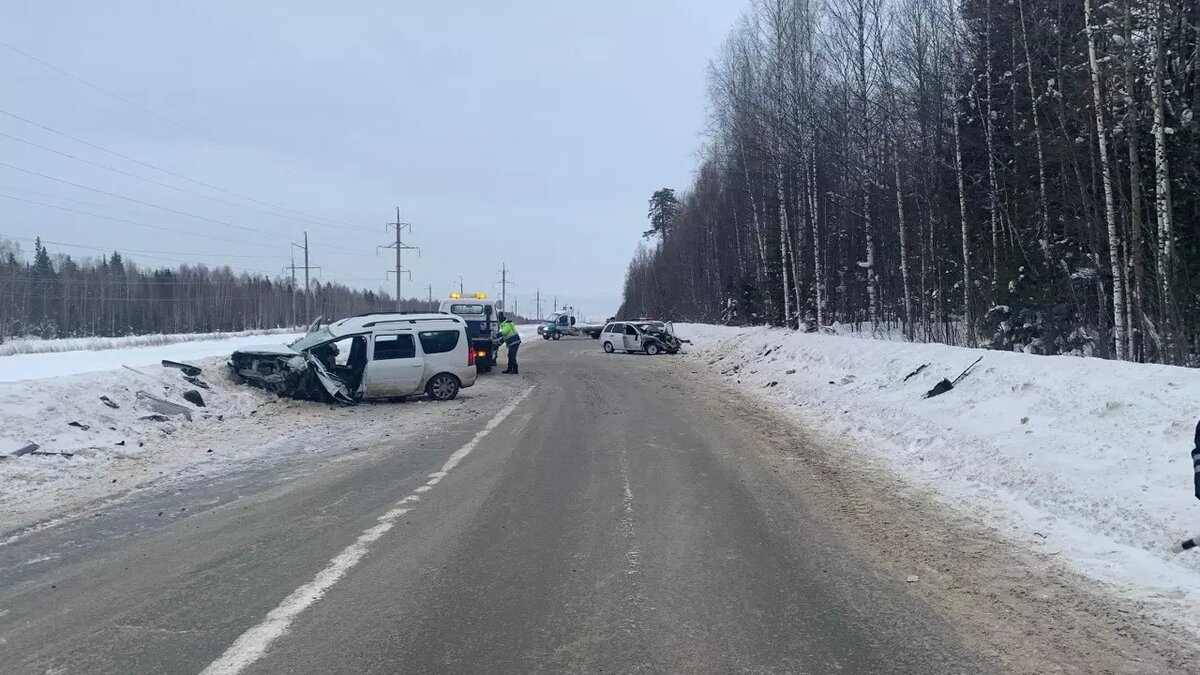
(611, 521)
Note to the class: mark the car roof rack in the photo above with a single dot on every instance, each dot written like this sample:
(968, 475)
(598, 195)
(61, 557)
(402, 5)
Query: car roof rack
(404, 312)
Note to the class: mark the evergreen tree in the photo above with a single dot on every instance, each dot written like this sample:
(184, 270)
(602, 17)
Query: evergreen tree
(663, 208)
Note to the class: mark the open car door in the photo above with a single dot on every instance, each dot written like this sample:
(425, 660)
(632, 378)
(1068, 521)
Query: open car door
(335, 387)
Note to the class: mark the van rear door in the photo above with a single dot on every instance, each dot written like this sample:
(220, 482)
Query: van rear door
(396, 367)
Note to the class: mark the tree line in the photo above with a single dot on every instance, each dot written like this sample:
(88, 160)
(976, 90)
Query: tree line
(1014, 174)
(54, 296)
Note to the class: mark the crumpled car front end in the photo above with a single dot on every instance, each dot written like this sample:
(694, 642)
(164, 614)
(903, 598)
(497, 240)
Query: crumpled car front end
(286, 372)
(665, 336)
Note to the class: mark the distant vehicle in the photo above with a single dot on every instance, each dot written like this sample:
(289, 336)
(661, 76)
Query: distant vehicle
(372, 356)
(564, 323)
(651, 337)
(480, 313)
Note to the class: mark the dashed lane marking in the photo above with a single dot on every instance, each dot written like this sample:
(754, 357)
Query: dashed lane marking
(251, 645)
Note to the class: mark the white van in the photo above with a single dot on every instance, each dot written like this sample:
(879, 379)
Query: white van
(373, 356)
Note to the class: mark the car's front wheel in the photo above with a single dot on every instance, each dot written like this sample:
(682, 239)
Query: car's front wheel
(558, 336)
(608, 348)
(442, 387)
(653, 349)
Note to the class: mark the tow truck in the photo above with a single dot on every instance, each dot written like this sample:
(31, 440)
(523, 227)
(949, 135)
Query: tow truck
(564, 323)
(480, 314)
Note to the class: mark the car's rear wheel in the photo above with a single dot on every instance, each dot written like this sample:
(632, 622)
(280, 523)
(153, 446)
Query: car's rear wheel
(608, 348)
(442, 387)
(653, 349)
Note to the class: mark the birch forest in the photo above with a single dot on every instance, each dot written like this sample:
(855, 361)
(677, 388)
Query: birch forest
(1012, 174)
(54, 295)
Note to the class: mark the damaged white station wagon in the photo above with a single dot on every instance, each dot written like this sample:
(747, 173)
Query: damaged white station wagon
(373, 356)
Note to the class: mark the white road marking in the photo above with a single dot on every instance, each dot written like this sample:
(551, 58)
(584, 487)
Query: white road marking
(251, 645)
(633, 558)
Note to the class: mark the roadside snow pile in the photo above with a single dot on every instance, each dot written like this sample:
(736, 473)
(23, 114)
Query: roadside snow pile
(99, 435)
(58, 363)
(34, 345)
(1084, 457)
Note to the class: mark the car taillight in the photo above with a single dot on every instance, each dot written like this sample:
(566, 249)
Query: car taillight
(470, 357)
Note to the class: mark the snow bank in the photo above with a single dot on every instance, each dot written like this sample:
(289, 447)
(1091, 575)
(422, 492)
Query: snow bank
(1084, 457)
(117, 450)
(35, 345)
(125, 352)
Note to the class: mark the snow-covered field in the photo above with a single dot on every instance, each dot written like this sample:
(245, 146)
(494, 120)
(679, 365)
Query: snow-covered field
(1085, 458)
(115, 450)
(112, 353)
(34, 345)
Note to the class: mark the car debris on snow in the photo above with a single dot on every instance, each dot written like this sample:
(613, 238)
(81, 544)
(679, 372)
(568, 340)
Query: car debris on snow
(916, 372)
(946, 385)
(192, 396)
(109, 402)
(187, 369)
(196, 382)
(162, 406)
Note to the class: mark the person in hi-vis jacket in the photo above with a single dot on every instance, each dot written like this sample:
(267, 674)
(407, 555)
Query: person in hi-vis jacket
(508, 333)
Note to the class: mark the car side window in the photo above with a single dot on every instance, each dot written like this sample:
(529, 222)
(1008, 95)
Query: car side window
(616, 328)
(395, 347)
(438, 341)
(630, 330)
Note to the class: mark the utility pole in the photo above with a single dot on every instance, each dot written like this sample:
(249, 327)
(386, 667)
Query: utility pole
(460, 285)
(292, 288)
(539, 304)
(504, 284)
(306, 268)
(400, 247)
(431, 297)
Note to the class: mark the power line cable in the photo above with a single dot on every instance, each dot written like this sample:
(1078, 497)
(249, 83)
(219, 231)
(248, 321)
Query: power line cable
(317, 220)
(127, 250)
(150, 180)
(142, 203)
(155, 206)
(132, 222)
(116, 96)
(126, 101)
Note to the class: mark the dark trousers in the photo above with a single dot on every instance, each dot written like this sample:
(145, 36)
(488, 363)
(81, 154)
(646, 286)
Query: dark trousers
(512, 355)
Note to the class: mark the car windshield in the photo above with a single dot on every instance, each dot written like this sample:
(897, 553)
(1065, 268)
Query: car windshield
(312, 339)
(651, 325)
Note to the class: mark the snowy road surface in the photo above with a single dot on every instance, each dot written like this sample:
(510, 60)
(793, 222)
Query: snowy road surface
(599, 513)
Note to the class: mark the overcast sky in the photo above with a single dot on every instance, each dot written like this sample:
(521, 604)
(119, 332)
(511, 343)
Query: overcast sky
(529, 133)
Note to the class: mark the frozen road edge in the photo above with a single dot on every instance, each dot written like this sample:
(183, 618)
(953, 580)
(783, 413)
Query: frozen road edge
(251, 645)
